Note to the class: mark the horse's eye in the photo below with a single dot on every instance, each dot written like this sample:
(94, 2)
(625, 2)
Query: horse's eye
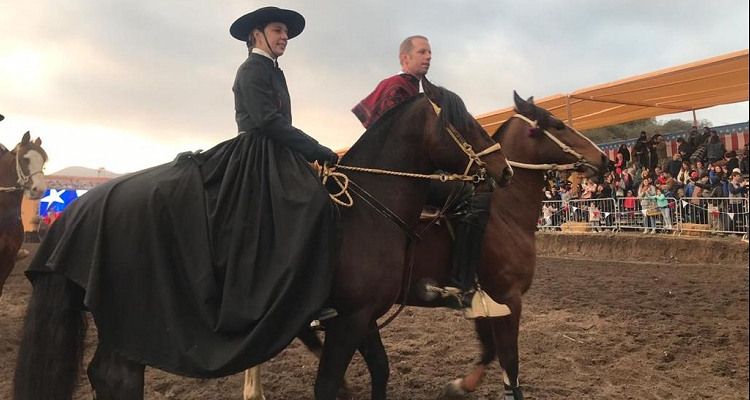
(559, 125)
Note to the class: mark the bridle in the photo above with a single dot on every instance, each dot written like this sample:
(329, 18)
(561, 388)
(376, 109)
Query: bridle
(474, 158)
(580, 159)
(22, 183)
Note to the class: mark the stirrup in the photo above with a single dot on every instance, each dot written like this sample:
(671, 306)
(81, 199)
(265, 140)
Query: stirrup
(482, 306)
(325, 314)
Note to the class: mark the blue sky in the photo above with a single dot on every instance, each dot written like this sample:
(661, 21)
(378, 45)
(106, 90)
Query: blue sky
(127, 85)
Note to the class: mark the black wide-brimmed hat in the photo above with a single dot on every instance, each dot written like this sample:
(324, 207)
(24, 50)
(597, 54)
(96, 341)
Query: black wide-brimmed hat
(294, 21)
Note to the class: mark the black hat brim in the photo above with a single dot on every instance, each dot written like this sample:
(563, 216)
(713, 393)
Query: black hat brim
(294, 21)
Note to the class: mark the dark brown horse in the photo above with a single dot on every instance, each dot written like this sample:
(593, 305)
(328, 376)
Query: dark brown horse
(21, 171)
(409, 142)
(373, 268)
(534, 141)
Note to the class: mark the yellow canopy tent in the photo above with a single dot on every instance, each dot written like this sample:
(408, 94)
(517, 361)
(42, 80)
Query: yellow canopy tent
(689, 87)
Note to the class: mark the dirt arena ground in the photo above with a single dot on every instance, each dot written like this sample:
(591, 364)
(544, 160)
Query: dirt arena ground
(593, 328)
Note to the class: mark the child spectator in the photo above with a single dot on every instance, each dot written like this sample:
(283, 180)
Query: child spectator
(548, 210)
(663, 204)
(648, 205)
(594, 217)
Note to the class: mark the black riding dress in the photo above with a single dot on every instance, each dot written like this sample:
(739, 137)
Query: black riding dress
(212, 263)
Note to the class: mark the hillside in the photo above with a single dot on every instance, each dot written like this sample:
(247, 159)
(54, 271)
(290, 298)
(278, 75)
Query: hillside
(84, 172)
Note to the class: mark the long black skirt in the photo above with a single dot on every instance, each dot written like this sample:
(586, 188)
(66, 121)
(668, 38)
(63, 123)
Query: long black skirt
(204, 266)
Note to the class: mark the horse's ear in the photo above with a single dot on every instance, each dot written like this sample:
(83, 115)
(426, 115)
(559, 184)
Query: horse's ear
(433, 92)
(38, 141)
(530, 100)
(522, 106)
(26, 137)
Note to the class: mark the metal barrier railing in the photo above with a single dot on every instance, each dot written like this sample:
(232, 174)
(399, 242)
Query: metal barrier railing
(712, 215)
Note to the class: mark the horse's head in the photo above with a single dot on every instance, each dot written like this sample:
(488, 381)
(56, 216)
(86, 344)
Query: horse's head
(536, 139)
(459, 143)
(29, 166)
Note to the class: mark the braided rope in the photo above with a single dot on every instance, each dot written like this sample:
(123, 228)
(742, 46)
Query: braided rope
(342, 180)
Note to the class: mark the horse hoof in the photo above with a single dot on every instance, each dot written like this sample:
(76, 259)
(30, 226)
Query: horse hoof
(513, 393)
(453, 391)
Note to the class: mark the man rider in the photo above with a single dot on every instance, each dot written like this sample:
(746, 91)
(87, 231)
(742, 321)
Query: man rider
(472, 211)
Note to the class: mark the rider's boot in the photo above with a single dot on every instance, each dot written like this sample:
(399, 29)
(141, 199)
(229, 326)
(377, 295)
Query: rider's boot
(469, 234)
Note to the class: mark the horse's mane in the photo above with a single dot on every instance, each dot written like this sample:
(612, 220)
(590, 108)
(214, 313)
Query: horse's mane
(500, 130)
(544, 118)
(378, 132)
(453, 111)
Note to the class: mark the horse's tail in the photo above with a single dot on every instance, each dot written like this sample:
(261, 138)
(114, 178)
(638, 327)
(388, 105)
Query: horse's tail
(51, 352)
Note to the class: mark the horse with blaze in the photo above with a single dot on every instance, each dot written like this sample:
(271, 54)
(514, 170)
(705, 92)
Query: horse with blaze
(21, 172)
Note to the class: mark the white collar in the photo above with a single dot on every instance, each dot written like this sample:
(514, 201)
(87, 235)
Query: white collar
(263, 53)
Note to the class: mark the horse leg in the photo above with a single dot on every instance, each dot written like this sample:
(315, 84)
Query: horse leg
(505, 331)
(113, 377)
(253, 389)
(461, 387)
(373, 352)
(5, 269)
(309, 337)
(344, 334)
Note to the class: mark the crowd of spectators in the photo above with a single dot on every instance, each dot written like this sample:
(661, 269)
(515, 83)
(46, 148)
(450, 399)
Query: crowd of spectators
(702, 175)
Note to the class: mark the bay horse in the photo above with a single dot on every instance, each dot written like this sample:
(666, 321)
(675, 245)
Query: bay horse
(534, 141)
(21, 172)
(429, 132)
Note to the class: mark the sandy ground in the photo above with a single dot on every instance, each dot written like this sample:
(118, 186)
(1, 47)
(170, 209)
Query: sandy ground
(590, 330)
